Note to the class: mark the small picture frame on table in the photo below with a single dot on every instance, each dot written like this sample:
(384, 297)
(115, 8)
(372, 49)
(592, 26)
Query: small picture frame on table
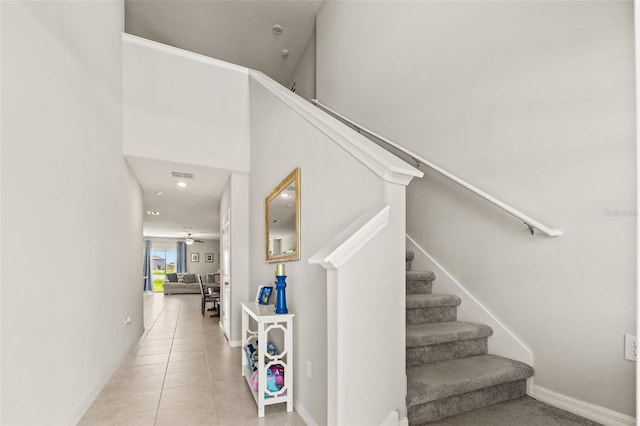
(195, 257)
(264, 294)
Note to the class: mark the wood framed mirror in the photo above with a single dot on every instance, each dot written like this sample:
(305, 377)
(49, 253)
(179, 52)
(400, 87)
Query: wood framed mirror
(282, 219)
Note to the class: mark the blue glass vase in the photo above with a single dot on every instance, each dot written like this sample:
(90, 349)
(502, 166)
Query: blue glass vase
(281, 295)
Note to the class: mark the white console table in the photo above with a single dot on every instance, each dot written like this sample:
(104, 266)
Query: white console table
(268, 320)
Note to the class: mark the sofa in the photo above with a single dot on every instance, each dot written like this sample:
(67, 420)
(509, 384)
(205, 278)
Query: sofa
(181, 283)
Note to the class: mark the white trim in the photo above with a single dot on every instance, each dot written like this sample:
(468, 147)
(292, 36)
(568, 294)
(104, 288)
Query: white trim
(392, 419)
(585, 409)
(501, 205)
(304, 414)
(636, 37)
(231, 343)
(90, 399)
(386, 165)
(348, 242)
(175, 51)
(509, 345)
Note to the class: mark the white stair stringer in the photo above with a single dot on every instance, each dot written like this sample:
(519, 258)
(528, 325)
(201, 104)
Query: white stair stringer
(503, 342)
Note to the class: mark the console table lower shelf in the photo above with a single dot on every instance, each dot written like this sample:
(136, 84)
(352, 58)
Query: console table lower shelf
(266, 320)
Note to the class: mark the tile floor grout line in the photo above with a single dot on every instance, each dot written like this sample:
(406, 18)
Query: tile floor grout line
(166, 369)
(231, 401)
(206, 357)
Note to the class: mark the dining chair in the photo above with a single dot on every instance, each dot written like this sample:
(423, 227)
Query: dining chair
(207, 298)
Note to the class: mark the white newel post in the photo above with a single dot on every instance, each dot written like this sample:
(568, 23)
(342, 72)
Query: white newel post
(366, 315)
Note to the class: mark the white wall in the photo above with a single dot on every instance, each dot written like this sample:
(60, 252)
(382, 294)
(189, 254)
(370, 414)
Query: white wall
(534, 103)
(331, 197)
(304, 74)
(69, 205)
(183, 107)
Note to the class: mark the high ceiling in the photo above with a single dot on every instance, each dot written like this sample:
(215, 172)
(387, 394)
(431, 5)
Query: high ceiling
(237, 31)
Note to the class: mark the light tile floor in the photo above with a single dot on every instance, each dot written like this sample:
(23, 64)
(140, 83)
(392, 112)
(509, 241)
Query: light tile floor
(182, 372)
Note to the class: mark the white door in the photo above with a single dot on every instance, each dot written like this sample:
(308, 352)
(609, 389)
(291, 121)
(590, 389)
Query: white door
(225, 282)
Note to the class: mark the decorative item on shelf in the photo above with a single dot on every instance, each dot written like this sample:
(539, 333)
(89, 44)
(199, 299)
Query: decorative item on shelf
(264, 294)
(281, 286)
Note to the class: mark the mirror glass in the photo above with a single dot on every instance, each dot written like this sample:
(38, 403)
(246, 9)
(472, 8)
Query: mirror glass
(282, 217)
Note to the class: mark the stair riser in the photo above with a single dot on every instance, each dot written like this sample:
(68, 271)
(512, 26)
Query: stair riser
(458, 404)
(433, 314)
(445, 351)
(419, 287)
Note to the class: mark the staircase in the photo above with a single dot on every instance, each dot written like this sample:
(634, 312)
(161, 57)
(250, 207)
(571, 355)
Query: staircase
(448, 369)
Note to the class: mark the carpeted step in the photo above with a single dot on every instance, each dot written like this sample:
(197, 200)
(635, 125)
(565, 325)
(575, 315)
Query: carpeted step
(442, 332)
(419, 282)
(519, 411)
(447, 388)
(424, 414)
(409, 258)
(422, 308)
(440, 341)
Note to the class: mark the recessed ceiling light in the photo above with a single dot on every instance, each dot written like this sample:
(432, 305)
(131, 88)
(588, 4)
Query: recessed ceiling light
(285, 53)
(153, 213)
(277, 29)
(289, 205)
(159, 193)
(284, 195)
(182, 184)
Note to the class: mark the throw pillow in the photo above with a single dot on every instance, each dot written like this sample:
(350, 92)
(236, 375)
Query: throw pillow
(173, 278)
(190, 278)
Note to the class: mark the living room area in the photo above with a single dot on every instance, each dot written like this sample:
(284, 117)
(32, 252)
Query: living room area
(177, 264)
(181, 225)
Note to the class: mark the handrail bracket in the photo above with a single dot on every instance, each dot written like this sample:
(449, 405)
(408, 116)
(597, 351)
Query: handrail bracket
(531, 228)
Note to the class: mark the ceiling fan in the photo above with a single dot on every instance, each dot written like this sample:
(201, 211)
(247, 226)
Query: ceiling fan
(188, 241)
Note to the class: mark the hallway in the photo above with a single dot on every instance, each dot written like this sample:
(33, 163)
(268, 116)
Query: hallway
(181, 373)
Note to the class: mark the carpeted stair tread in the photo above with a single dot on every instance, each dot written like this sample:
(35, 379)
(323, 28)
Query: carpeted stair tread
(441, 332)
(442, 379)
(521, 411)
(420, 276)
(415, 301)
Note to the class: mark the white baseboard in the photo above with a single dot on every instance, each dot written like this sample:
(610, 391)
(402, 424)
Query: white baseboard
(232, 343)
(392, 419)
(306, 417)
(75, 419)
(585, 409)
